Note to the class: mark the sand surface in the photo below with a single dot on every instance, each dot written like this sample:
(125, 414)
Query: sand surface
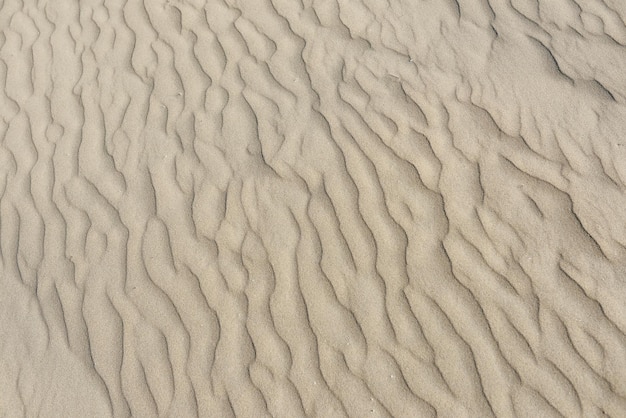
(320, 208)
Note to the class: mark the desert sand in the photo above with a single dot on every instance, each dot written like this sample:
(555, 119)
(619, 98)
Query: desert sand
(313, 208)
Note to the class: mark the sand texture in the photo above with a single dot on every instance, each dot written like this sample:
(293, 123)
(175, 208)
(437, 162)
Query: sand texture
(312, 208)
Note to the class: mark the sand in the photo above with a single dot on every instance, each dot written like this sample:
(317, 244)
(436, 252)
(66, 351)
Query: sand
(320, 208)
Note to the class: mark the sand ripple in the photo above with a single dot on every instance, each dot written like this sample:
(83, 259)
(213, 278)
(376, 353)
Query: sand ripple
(322, 208)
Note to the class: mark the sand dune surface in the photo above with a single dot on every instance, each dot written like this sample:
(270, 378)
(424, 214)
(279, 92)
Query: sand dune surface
(313, 208)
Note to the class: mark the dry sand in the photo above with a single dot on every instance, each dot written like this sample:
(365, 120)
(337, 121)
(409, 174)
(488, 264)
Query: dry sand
(322, 208)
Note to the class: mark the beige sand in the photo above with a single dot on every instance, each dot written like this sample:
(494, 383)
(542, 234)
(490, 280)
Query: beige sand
(323, 208)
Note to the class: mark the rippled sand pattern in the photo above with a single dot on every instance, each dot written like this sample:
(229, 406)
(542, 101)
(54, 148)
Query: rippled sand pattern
(321, 208)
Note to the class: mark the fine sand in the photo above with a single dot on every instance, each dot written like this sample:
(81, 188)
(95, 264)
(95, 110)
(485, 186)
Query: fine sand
(312, 208)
